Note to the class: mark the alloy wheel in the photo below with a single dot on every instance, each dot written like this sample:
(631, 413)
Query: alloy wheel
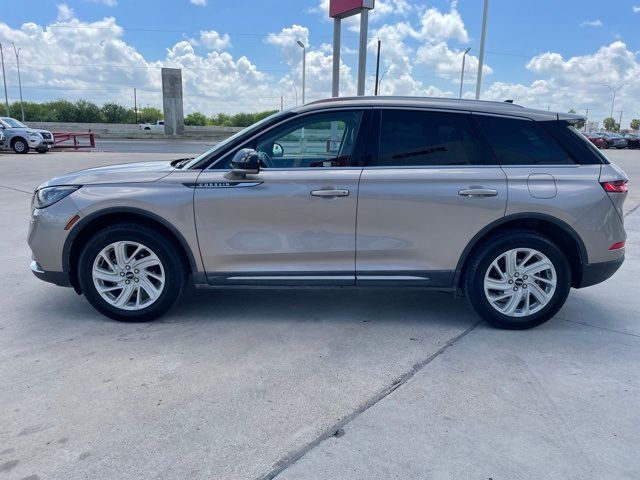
(128, 275)
(520, 282)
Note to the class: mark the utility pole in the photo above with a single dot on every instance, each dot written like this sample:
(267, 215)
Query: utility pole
(464, 57)
(281, 103)
(378, 67)
(483, 39)
(335, 80)
(304, 68)
(620, 122)
(17, 52)
(4, 80)
(135, 104)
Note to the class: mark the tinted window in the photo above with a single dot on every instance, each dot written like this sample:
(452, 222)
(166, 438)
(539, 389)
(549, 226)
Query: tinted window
(579, 147)
(415, 138)
(522, 142)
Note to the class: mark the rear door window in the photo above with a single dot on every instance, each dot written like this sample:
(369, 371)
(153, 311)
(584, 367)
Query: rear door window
(415, 138)
(522, 142)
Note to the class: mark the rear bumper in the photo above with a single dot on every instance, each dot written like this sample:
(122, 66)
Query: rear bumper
(594, 273)
(57, 278)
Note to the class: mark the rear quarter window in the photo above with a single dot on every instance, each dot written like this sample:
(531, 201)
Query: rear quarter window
(522, 142)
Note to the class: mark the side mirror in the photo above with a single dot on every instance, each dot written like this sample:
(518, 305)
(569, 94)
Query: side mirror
(244, 162)
(277, 151)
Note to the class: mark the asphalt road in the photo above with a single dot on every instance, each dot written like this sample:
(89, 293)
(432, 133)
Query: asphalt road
(309, 384)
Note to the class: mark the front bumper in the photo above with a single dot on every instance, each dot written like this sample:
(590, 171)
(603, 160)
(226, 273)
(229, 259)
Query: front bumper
(594, 273)
(57, 278)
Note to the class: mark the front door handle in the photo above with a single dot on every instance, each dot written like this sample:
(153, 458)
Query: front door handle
(330, 193)
(478, 192)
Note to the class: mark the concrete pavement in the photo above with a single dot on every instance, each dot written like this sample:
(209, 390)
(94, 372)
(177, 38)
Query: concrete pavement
(243, 384)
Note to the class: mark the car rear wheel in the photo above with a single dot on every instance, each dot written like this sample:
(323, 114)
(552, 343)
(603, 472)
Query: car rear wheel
(131, 272)
(20, 145)
(518, 280)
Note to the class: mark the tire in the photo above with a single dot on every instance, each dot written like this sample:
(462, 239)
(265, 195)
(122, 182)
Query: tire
(150, 291)
(20, 145)
(42, 150)
(484, 273)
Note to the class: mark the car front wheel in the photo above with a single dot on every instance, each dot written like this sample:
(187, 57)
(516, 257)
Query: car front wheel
(131, 272)
(518, 280)
(20, 146)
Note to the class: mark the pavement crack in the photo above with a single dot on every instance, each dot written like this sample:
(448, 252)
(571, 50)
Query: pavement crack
(16, 189)
(337, 429)
(600, 328)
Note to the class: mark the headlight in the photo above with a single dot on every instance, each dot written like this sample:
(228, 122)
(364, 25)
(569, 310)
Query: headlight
(35, 136)
(45, 197)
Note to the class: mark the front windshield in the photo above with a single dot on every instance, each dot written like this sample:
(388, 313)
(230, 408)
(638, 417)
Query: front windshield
(232, 138)
(13, 123)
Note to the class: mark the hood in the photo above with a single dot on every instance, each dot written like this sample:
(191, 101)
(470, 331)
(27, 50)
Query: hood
(125, 173)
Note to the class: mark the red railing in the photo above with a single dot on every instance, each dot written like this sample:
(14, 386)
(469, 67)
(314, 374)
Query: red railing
(74, 140)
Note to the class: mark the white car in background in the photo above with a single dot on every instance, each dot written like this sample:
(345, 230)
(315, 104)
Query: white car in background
(20, 138)
(153, 127)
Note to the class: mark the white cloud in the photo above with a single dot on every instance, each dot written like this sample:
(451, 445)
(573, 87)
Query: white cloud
(578, 82)
(636, 8)
(199, 3)
(65, 12)
(592, 23)
(214, 41)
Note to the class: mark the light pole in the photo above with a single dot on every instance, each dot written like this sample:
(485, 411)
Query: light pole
(464, 57)
(296, 90)
(482, 43)
(17, 52)
(304, 68)
(614, 91)
(4, 80)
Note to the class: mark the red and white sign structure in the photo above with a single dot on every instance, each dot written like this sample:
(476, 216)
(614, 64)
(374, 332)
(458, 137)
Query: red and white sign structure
(339, 9)
(346, 8)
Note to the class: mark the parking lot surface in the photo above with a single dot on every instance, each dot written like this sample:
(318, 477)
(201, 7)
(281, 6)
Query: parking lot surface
(309, 384)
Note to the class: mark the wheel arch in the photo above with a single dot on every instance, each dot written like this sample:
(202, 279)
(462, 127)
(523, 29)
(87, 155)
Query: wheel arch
(556, 230)
(98, 220)
(16, 138)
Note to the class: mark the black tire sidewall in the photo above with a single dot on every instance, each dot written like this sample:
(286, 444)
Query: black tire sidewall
(163, 248)
(487, 254)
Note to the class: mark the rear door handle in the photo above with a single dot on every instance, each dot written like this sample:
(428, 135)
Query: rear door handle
(478, 192)
(330, 193)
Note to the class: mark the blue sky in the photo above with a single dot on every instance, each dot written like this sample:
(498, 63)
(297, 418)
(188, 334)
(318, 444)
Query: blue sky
(544, 53)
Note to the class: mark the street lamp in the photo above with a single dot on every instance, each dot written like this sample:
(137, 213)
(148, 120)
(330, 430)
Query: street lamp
(304, 68)
(17, 52)
(4, 79)
(464, 57)
(614, 91)
(483, 38)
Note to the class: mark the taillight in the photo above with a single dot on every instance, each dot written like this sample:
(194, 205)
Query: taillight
(617, 246)
(619, 186)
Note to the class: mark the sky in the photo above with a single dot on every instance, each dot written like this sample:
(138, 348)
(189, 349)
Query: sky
(242, 55)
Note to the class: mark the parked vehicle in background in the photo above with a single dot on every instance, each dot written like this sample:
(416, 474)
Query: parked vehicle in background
(596, 139)
(20, 138)
(153, 127)
(615, 140)
(633, 140)
(463, 196)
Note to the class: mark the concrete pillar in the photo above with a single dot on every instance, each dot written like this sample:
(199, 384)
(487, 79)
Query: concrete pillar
(172, 101)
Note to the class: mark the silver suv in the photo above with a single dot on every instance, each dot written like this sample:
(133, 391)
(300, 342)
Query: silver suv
(20, 138)
(509, 206)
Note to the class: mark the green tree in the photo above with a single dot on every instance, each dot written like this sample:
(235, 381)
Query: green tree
(87, 112)
(61, 111)
(149, 115)
(635, 124)
(610, 124)
(196, 119)
(114, 113)
(33, 112)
